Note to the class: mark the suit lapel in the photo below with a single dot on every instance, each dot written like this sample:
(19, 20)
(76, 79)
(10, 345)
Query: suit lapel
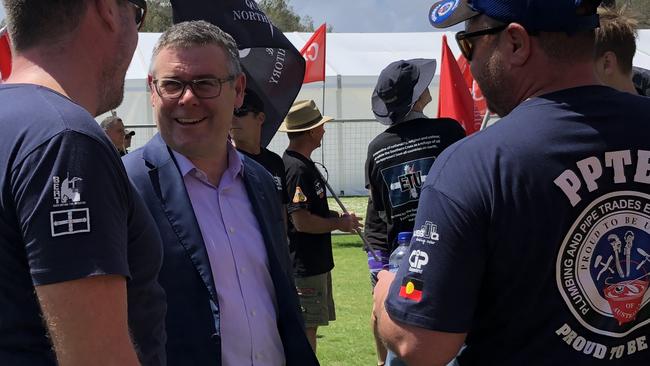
(170, 188)
(260, 204)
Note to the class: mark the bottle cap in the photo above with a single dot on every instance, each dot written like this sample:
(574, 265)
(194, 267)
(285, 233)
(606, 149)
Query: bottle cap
(404, 236)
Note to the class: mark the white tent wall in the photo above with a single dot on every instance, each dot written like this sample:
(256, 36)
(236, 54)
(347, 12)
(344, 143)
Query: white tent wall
(354, 61)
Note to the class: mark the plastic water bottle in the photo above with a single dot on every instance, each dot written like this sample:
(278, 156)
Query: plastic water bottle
(403, 243)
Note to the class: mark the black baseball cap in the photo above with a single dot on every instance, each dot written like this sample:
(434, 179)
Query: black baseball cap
(252, 102)
(534, 15)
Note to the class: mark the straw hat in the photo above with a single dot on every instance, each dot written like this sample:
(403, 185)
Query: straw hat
(303, 116)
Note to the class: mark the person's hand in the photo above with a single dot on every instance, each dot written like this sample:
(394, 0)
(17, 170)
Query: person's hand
(349, 223)
(384, 279)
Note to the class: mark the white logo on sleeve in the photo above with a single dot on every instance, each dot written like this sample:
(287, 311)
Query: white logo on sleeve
(66, 192)
(417, 260)
(68, 222)
(427, 233)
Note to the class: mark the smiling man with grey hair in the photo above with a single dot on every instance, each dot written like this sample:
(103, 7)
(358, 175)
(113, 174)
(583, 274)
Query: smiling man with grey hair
(226, 267)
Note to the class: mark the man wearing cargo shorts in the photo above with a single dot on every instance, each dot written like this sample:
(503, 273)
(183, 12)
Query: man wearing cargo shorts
(311, 221)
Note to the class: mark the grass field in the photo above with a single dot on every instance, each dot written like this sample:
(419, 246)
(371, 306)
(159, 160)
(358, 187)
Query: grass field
(348, 341)
(356, 204)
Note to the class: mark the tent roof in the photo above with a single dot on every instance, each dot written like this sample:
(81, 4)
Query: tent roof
(365, 54)
(348, 54)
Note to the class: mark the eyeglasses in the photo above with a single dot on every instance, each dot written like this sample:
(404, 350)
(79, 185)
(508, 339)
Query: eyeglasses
(466, 46)
(201, 88)
(141, 7)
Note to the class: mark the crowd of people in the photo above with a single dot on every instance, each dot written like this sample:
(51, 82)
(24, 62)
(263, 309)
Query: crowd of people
(530, 238)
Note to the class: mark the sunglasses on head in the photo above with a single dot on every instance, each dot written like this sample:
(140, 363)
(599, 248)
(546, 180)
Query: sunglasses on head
(465, 44)
(141, 11)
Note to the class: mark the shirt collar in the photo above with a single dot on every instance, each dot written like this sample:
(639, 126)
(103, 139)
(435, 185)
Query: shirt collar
(235, 164)
(413, 115)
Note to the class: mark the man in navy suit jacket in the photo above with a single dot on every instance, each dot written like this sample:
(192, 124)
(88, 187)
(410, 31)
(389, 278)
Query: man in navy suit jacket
(226, 267)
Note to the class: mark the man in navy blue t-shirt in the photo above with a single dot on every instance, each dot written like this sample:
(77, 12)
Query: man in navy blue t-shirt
(532, 238)
(79, 252)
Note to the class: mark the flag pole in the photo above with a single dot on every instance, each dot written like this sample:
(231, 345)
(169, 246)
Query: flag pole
(366, 245)
(322, 146)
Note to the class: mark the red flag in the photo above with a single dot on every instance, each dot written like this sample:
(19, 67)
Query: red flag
(5, 55)
(314, 54)
(454, 100)
(480, 105)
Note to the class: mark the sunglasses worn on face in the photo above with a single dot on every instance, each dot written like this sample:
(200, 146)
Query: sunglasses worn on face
(201, 88)
(141, 11)
(465, 44)
(243, 111)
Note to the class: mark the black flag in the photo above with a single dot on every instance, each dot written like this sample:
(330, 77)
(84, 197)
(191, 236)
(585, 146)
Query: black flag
(274, 68)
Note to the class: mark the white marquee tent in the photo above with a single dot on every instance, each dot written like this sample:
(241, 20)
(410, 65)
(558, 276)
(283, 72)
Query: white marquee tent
(354, 60)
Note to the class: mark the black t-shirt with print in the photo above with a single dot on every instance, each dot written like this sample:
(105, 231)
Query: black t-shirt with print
(397, 165)
(313, 252)
(273, 163)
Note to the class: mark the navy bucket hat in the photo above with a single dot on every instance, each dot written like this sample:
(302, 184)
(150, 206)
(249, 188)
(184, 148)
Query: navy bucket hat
(399, 86)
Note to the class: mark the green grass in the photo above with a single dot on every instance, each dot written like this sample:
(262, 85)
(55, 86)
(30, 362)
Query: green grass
(356, 204)
(348, 341)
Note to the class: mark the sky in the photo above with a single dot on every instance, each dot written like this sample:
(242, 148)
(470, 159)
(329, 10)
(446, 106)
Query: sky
(368, 15)
(363, 15)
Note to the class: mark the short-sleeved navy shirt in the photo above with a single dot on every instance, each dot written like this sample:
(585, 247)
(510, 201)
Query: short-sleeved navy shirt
(313, 252)
(533, 236)
(68, 212)
(397, 165)
(272, 162)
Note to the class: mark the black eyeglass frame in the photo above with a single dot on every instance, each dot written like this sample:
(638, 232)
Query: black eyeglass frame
(191, 84)
(465, 45)
(141, 14)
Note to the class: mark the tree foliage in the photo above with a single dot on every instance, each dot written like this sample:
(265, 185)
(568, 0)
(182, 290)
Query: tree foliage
(284, 17)
(159, 16)
(638, 9)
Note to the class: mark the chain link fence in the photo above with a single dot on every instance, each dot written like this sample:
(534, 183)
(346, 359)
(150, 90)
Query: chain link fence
(343, 152)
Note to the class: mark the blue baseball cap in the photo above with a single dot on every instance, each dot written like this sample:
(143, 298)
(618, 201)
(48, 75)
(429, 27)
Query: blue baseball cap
(534, 15)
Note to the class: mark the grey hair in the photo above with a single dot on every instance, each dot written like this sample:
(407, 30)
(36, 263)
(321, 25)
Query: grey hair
(198, 33)
(109, 121)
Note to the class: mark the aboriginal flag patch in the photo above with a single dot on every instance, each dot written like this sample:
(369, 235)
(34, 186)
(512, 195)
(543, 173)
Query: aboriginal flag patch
(411, 289)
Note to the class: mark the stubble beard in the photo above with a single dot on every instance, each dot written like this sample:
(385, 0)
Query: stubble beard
(495, 87)
(112, 79)
(112, 94)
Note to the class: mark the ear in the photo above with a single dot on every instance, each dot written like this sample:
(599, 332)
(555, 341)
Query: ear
(152, 89)
(108, 13)
(518, 44)
(261, 117)
(240, 86)
(609, 63)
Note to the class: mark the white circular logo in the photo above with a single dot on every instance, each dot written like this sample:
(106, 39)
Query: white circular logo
(442, 10)
(603, 267)
(312, 52)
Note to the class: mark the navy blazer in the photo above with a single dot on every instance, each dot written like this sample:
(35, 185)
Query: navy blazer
(193, 336)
